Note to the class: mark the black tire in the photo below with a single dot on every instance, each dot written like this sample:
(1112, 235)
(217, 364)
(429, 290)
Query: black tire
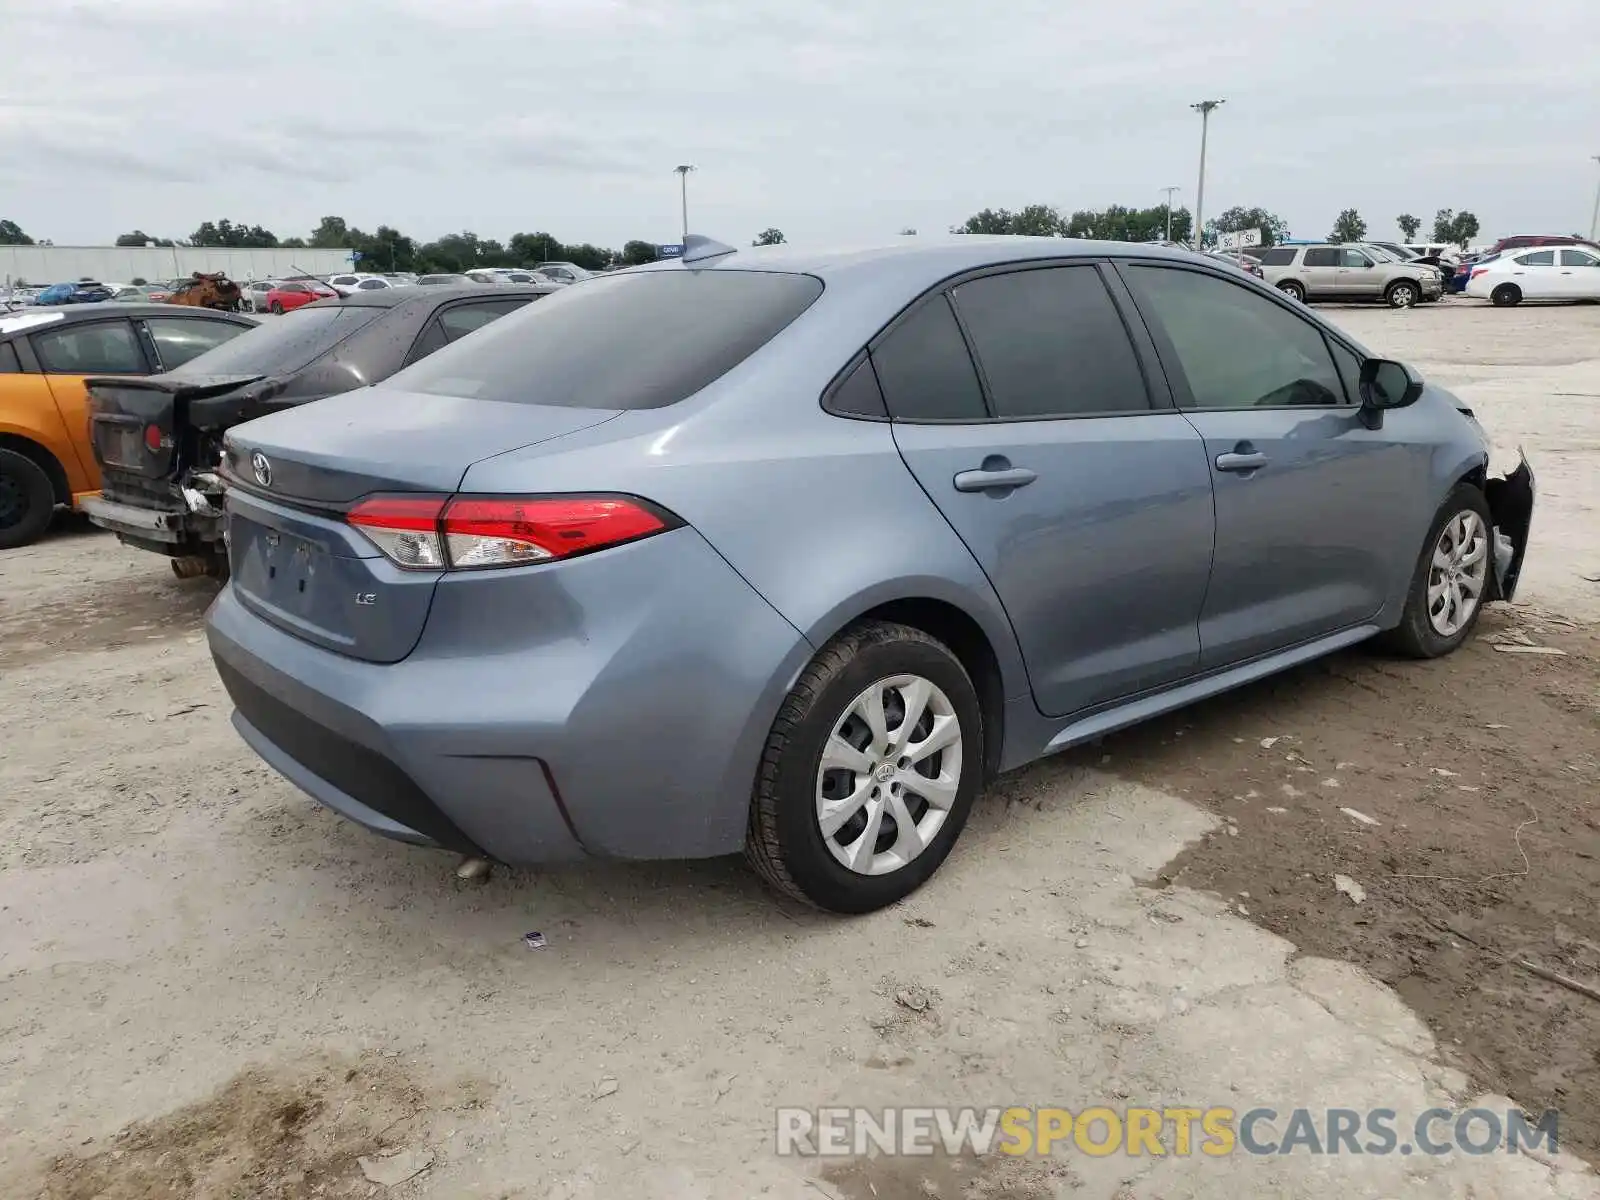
(27, 500)
(1402, 294)
(276, 307)
(1415, 636)
(1507, 295)
(784, 842)
(1293, 290)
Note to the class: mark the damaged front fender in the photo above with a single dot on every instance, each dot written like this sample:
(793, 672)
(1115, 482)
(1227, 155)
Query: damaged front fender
(1511, 507)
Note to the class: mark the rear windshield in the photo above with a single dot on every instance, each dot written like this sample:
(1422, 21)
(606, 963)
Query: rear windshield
(626, 341)
(284, 344)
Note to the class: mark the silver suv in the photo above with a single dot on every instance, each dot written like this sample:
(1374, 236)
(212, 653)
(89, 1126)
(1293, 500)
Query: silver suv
(1332, 272)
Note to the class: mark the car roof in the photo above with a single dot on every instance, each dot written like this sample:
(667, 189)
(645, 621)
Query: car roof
(919, 261)
(108, 308)
(394, 296)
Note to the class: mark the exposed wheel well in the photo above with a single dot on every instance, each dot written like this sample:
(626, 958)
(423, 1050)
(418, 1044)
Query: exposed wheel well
(46, 460)
(970, 644)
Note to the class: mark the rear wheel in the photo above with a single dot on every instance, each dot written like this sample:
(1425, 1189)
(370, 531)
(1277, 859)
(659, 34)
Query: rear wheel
(870, 770)
(1401, 294)
(1451, 580)
(1292, 290)
(27, 500)
(1506, 295)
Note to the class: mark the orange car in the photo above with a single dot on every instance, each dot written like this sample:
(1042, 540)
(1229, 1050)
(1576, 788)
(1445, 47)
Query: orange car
(45, 353)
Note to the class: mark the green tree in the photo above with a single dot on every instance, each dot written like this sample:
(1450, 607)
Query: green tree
(1234, 220)
(990, 220)
(453, 252)
(139, 238)
(226, 233)
(1119, 224)
(769, 237)
(1408, 226)
(531, 248)
(138, 281)
(636, 253)
(1463, 229)
(11, 235)
(294, 243)
(1348, 227)
(1444, 225)
(331, 233)
(1037, 220)
(589, 257)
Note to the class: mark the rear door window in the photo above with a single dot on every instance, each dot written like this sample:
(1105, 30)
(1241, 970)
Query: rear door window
(1276, 256)
(1050, 343)
(98, 348)
(679, 330)
(461, 319)
(10, 364)
(1322, 256)
(925, 370)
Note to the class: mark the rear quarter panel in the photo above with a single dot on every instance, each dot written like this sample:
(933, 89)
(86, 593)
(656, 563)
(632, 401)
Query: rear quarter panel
(29, 410)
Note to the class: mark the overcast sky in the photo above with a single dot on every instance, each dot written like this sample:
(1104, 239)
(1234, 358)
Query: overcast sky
(833, 120)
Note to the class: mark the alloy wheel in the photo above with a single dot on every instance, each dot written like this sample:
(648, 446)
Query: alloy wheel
(1457, 573)
(890, 771)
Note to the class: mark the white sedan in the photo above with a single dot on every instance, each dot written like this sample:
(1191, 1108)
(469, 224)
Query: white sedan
(1542, 273)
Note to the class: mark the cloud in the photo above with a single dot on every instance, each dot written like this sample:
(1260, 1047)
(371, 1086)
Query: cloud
(832, 119)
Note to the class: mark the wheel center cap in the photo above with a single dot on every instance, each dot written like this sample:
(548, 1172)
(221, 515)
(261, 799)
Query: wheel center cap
(884, 772)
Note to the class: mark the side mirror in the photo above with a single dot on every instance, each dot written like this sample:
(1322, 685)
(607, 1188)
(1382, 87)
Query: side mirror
(1386, 384)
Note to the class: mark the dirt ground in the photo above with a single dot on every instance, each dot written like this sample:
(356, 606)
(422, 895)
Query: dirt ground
(209, 987)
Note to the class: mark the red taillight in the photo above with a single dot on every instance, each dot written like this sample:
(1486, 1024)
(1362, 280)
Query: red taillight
(1476, 271)
(474, 532)
(152, 438)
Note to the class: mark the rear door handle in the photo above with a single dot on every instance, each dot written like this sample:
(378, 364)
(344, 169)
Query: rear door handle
(983, 481)
(1249, 461)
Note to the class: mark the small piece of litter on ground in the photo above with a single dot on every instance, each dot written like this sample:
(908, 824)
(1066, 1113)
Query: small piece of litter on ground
(1233, 831)
(1443, 773)
(1461, 787)
(391, 1170)
(1357, 815)
(534, 941)
(1268, 743)
(608, 1087)
(1331, 782)
(1291, 791)
(1497, 727)
(1350, 888)
(1530, 650)
(1273, 808)
(1342, 766)
(913, 998)
(1081, 943)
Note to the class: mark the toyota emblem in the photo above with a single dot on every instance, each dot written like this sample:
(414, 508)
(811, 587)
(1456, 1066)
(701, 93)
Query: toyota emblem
(262, 466)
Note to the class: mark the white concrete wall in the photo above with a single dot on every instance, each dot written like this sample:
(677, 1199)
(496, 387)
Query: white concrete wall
(43, 265)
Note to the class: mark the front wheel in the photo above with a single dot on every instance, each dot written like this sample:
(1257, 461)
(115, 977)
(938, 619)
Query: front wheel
(1292, 290)
(1451, 580)
(1401, 295)
(869, 772)
(276, 307)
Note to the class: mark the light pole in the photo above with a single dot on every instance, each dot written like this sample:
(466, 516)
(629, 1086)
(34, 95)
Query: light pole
(1204, 109)
(683, 170)
(1169, 191)
(1594, 217)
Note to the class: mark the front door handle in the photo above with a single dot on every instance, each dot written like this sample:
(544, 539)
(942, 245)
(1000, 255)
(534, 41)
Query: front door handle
(986, 480)
(1241, 460)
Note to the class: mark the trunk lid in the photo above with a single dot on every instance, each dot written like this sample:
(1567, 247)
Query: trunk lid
(294, 559)
(123, 409)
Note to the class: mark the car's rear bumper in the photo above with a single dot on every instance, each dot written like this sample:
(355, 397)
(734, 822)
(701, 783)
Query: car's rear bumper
(615, 706)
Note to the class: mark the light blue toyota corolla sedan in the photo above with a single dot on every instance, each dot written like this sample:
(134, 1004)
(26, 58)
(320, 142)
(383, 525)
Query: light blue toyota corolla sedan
(790, 552)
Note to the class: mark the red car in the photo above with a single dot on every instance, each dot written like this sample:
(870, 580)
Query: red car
(296, 292)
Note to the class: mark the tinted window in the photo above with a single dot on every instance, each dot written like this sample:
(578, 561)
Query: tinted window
(1577, 258)
(1349, 366)
(1050, 343)
(296, 288)
(9, 363)
(432, 339)
(925, 370)
(681, 330)
(1539, 258)
(1277, 256)
(371, 285)
(285, 344)
(1236, 349)
(178, 339)
(106, 348)
(859, 394)
(1322, 256)
(462, 319)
